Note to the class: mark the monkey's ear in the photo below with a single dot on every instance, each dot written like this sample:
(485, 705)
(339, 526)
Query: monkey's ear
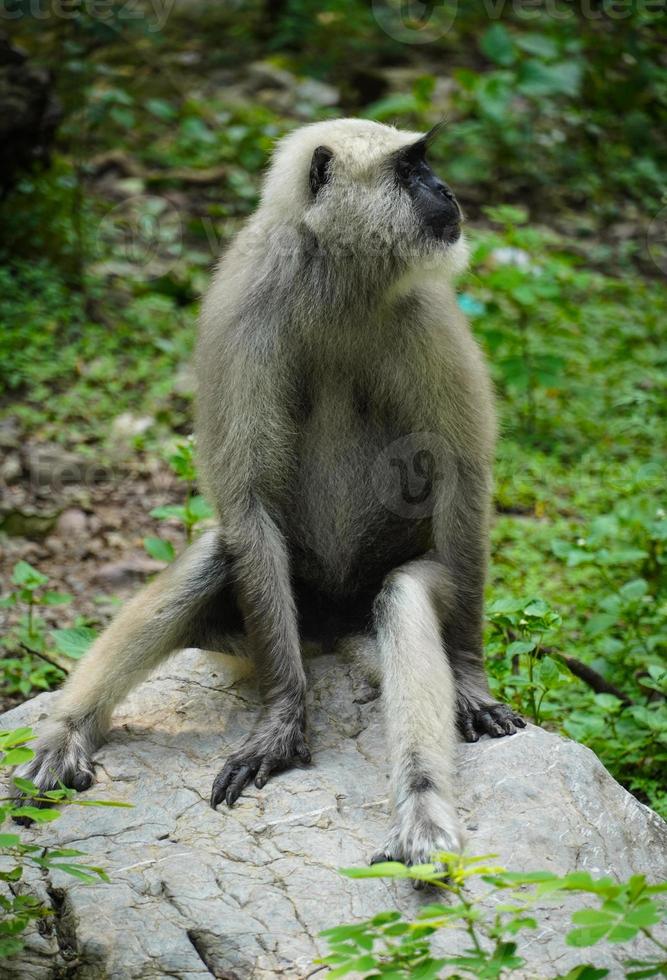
(320, 170)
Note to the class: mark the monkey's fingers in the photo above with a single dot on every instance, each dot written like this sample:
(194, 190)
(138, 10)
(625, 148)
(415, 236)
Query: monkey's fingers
(467, 728)
(271, 763)
(230, 783)
(267, 767)
(380, 857)
(498, 720)
(487, 723)
(508, 720)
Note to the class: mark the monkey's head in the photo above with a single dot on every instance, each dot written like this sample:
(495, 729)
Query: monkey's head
(366, 191)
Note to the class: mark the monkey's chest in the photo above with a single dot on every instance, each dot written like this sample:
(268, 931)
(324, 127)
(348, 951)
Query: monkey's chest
(363, 490)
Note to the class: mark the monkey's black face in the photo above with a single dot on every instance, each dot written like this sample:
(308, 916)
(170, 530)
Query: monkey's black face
(433, 200)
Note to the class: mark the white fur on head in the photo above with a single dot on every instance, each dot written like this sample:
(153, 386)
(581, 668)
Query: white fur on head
(358, 146)
(361, 209)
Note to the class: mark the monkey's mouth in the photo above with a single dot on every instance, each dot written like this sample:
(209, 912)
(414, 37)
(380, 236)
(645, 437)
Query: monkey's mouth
(444, 224)
(451, 233)
(445, 232)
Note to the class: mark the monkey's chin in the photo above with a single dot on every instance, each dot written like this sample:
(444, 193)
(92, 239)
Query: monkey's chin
(450, 234)
(450, 257)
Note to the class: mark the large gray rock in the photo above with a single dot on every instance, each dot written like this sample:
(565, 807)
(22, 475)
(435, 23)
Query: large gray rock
(244, 892)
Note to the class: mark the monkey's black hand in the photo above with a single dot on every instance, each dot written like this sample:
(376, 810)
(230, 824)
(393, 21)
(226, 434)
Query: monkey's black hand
(274, 746)
(495, 720)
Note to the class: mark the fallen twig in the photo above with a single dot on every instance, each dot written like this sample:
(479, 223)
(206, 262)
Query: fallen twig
(43, 656)
(594, 680)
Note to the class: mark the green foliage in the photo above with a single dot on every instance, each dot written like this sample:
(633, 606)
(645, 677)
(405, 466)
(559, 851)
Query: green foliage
(579, 475)
(390, 946)
(55, 358)
(194, 511)
(33, 661)
(18, 910)
(523, 672)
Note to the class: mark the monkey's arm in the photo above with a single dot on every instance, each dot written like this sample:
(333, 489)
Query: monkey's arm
(461, 537)
(246, 448)
(261, 572)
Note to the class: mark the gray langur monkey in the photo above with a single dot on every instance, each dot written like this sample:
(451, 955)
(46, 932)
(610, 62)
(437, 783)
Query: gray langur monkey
(346, 433)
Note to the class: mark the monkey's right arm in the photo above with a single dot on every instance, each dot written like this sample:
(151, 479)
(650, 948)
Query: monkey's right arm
(246, 441)
(262, 579)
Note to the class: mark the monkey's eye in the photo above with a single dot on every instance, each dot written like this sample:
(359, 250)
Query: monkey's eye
(404, 168)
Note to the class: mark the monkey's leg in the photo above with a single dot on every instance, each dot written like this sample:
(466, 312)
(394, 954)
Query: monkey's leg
(463, 547)
(420, 712)
(265, 594)
(162, 618)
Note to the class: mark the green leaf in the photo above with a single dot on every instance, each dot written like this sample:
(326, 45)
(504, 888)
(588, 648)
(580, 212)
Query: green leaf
(537, 79)
(622, 556)
(16, 756)
(75, 641)
(15, 737)
(519, 647)
(199, 508)
(497, 45)
(643, 916)
(538, 607)
(161, 109)
(586, 937)
(82, 872)
(14, 875)
(591, 917)
(383, 869)
(585, 972)
(25, 785)
(9, 840)
(634, 590)
(169, 512)
(504, 606)
(548, 672)
(159, 549)
(116, 803)
(27, 576)
(600, 623)
(537, 44)
(56, 598)
(38, 814)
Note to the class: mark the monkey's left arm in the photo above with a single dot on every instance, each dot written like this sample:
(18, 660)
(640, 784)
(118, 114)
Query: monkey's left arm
(461, 538)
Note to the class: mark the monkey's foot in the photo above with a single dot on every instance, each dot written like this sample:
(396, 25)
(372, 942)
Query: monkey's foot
(423, 829)
(63, 756)
(266, 751)
(492, 719)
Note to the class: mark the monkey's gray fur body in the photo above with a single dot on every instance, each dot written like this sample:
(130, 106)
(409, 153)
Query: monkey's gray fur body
(334, 365)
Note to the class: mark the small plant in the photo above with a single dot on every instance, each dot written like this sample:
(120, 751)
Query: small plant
(190, 514)
(18, 910)
(390, 946)
(520, 628)
(37, 655)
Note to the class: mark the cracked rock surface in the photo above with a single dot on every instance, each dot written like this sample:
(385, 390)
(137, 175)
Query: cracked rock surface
(243, 893)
